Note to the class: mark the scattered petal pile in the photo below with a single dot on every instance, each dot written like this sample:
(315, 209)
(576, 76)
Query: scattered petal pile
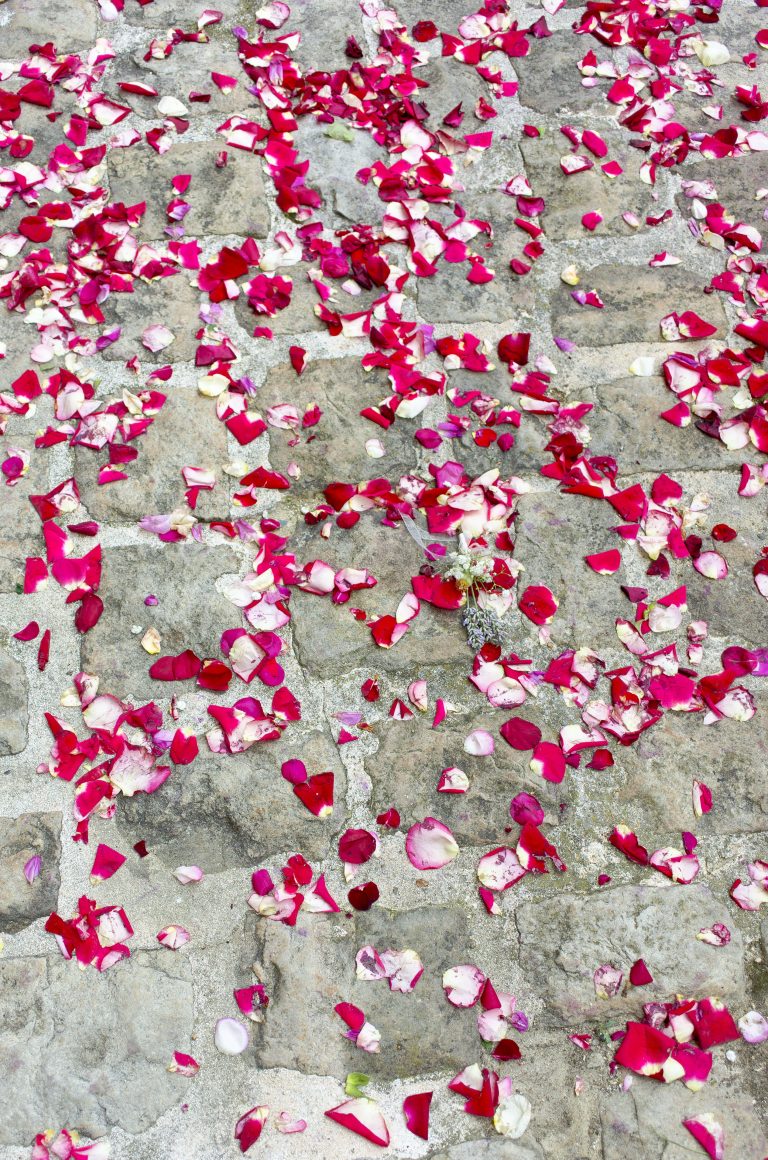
(383, 576)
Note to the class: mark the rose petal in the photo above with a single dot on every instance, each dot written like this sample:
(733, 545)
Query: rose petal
(430, 845)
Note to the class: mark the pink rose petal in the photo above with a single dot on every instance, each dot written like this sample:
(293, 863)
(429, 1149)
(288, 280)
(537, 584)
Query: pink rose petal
(430, 845)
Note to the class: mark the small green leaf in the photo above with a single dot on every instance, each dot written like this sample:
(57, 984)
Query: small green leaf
(339, 132)
(356, 1081)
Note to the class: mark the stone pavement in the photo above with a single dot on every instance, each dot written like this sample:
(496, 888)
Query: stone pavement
(88, 1050)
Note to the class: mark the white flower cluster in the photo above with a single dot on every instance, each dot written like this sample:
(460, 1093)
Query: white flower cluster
(469, 565)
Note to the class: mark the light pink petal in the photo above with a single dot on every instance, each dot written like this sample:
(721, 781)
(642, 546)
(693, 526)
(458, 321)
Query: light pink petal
(463, 985)
(479, 743)
(430, 845)
(712, 565)
(754, 1027)
(288, 1126)
(417, 695)
(500, 869)
(157, 337)
(608, 980)
(403, 969)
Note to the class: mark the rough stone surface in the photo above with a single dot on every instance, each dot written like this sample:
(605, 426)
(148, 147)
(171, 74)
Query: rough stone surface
(564, 939)
(651, 1121)
(236, 810)
(490, 1150)
(411, 756)
(155, 478)
(323, 38)
(569, 198)
(454, 299)
(551, 87)
(447, 87)
(25, 22)
(102, 1040)
(162, 13)
(334, 165)
(188, 70)
(625, 421)
(318, 957)
(729, 605)
(19, 535)
(585, 612)
(13, 705)
(339, 436)
(653, 779)
(23, 838)
(172, 301)
(182, 618)
(635, 300)
(218, 196)
(353, 645)
(736, 184)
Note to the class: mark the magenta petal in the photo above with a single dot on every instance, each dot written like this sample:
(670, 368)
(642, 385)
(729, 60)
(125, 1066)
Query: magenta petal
(549, 761)
(520, 734)
(416, 1112)
(353, 1016)
(706, 1130)
(524, 807)
(357, 846)
(294, 771)
(29, 632)
(248, 1127)
(105, 863)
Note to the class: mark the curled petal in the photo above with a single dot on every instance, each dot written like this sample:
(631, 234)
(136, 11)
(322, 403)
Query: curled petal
(248, 1127)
